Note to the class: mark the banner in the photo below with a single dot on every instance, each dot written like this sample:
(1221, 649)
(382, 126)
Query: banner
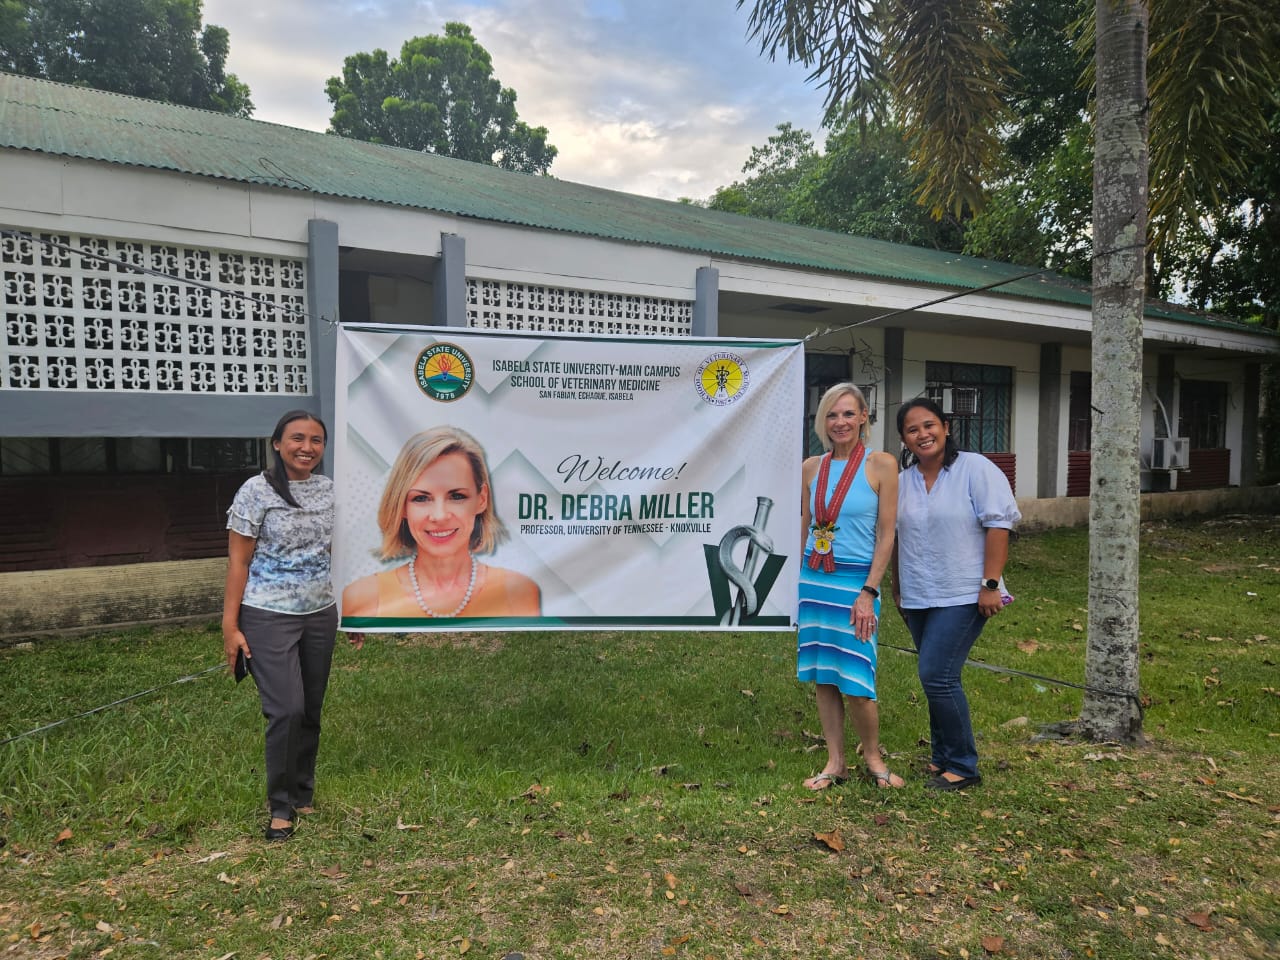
(519, 481)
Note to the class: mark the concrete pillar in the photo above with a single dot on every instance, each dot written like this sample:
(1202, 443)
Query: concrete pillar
(450, 283)
(1050, 443)
(1252, 400)
(322, 303)
(894, 343)
(706, 302)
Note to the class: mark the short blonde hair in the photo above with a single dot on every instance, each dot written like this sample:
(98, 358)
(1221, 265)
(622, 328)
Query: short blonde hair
(419, 452)
(829, 400)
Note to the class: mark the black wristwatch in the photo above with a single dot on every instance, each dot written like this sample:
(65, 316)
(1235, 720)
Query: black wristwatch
(990, 584)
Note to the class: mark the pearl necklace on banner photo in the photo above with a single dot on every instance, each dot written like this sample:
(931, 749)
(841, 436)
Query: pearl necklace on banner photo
(417, 591)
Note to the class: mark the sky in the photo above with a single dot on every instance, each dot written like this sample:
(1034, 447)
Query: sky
(663, 98)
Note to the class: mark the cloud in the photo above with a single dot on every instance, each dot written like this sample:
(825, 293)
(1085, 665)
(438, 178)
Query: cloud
(664, 97)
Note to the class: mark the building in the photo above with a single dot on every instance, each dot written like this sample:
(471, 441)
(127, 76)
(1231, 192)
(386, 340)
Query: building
(171, 278)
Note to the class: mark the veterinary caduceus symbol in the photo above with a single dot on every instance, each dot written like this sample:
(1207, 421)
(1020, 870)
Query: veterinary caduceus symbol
(735, 608)
(722, 386)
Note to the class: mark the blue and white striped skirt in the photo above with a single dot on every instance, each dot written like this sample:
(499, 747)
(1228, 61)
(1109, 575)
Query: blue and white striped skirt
(829, 652)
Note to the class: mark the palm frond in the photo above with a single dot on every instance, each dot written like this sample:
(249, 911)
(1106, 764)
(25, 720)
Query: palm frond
(949, 78)
(1215, 76)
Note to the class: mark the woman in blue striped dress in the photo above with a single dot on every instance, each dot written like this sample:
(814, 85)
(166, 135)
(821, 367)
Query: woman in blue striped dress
(849, 508)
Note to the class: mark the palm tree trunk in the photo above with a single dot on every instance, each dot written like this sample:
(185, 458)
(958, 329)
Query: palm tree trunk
(1119, 241)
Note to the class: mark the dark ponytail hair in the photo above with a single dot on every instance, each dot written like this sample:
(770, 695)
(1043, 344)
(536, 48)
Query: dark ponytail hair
(276, 474)
(949, 453)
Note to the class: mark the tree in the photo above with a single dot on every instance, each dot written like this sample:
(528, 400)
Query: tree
(864, 185)
(860, 184)
(1040, 215)
(439, 97)
(1119, 288)
(942, 67)
(775, 172)
(155, 49)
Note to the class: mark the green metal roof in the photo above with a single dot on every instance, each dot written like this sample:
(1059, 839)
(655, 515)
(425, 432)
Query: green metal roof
(80, 122)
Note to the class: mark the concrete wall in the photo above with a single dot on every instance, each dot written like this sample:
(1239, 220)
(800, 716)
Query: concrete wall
(1074, 511)
(83, 599)
(76, 600)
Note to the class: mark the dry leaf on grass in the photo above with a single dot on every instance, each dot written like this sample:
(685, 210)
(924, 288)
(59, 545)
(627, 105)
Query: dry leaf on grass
(1199, 920)
(832, 839)
(1243, 799)
(993, 944)
(535, 791)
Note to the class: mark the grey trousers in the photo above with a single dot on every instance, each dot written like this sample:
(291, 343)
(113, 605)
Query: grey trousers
(290, 665)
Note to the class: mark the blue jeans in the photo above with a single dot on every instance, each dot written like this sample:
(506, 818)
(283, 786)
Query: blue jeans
(943, 637)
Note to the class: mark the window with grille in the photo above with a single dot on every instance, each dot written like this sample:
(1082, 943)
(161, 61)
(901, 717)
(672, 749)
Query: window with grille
(1202, 413)
(48, 456)
(501, 305)
(77, 317)
(979, 398)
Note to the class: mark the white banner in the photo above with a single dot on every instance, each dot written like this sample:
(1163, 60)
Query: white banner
(551, 482)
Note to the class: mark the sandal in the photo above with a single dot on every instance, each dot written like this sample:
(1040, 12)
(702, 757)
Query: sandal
(886, 778)
(824, 781)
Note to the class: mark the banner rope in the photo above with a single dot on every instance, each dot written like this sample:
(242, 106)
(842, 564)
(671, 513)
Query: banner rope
(1102, 691)
(993, 668)
(113, 703)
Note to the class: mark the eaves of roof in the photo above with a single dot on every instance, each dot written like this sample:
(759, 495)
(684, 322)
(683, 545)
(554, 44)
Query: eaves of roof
(79, 122)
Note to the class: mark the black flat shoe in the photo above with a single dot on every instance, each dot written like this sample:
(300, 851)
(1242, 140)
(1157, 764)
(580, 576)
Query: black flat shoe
(942, 783)
(277, 834)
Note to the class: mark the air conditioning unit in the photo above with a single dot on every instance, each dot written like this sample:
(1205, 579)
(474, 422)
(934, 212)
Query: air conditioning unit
(959, 401)
(1171, 453)
(964, 401)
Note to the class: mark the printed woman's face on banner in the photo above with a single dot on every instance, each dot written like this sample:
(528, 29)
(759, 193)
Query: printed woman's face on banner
(442, 505)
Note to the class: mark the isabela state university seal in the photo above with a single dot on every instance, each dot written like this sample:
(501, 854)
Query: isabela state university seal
(444, 371)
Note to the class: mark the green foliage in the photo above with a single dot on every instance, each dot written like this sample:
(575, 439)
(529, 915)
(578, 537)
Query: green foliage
(155, 49)
(776, 172)
(992, 97)
(864, 185)
(1041, 214)
(861, 184)
(620, 795)
(439, 97)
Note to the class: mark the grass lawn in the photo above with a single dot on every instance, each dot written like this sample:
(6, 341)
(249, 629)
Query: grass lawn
(617, 795)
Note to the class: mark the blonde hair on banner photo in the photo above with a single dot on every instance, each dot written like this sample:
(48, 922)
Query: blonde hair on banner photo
(419, 452)
(829, 400)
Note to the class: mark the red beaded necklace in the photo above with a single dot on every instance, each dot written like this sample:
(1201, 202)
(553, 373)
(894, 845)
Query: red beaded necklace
(824, 517)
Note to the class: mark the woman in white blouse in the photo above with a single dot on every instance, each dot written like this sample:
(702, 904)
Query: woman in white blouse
(955, 511)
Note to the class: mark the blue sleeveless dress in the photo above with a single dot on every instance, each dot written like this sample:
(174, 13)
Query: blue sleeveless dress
(828, 651)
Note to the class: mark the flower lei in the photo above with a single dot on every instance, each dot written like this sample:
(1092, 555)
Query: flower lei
(824, 516)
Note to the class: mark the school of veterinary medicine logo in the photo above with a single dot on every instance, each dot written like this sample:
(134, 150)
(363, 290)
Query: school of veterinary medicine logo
(722, 379)
(444, 371)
